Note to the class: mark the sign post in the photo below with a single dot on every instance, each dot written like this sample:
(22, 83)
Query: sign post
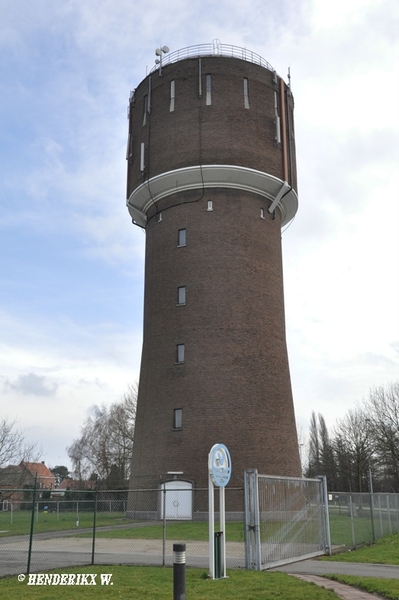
(219, 472)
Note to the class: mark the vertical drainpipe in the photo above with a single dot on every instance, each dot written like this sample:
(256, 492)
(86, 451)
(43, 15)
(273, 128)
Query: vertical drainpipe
(149, 94)
(130, 142)
(199, 78)
(289, 135)
(283, 130)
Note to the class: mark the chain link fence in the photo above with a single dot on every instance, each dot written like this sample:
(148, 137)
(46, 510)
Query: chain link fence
(113, 527)
(361, 518)
(140, 526)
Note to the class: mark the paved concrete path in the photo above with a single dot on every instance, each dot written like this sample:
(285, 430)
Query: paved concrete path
(57, 552)
(60, 549)
(312, 571)
(343, 591)
(324, 567)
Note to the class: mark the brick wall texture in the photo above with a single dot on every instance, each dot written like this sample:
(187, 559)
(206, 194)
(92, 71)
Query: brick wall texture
(222, 133)
(234, 385)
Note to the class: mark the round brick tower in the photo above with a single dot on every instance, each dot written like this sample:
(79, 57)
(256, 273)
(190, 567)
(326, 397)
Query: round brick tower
(212, 179)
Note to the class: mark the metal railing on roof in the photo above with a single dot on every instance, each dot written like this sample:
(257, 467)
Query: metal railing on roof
(213, 49)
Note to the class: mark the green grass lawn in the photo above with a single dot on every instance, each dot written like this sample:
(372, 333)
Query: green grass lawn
(156, 583)
(341, 530)
(387, 588)
(185, 530)
(384, 551)
(341, 527)
(19, 522)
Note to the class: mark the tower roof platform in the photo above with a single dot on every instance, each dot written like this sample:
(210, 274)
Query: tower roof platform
(213, 49)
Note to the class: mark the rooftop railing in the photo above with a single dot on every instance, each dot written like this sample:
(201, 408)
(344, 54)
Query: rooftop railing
(213, 49)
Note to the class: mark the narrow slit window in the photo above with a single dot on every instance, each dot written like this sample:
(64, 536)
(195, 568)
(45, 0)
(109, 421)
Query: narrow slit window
(145, 109)
(210, 205)
(131, 146)
(181, 295)
(262, 213)
(181, 237)
(277, 119)
(180, 353)
(208, 90)
(246, 96)
(142, 157)
(159, 217)
(178, 418)
(172, 96)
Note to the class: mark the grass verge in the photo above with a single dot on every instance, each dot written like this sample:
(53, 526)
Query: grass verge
(137, 583)
(19, 522)
(384, 552)
(189, 530)
(341, 530)
(386, 588)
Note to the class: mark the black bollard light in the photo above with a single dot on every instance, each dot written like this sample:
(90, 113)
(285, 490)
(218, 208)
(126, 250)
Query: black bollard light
(179, 571)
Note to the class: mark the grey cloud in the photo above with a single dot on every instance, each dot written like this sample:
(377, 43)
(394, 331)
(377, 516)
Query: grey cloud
(32, 384)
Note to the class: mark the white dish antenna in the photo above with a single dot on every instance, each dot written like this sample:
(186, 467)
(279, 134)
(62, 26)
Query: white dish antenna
(159, 52)
(163, 50)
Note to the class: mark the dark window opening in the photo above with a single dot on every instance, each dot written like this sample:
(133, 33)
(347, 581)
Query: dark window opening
(180, 353)
(181, 295)
(181, 237)
(178, 418)
(145, 109)
(208, 100)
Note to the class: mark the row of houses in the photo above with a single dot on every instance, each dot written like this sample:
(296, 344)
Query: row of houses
(15, 480)
(24, 475)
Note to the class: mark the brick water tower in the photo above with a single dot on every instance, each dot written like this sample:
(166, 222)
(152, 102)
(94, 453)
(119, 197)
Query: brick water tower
(212, 180)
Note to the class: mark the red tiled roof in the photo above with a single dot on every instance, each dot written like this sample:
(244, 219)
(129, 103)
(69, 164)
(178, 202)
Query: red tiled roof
(38, 469)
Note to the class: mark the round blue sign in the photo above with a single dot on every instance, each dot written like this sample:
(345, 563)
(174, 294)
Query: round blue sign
(220, 465)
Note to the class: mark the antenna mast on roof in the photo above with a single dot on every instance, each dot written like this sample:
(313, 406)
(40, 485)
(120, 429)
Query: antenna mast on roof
(159, 52)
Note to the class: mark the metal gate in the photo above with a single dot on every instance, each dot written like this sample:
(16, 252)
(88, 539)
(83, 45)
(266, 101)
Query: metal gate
(286, 519)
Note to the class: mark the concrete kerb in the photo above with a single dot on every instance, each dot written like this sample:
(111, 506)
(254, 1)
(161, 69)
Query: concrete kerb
(323, 567)
(343, 591)
(313, 571)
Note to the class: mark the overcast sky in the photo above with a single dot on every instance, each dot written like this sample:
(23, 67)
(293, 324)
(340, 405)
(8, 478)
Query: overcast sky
(71, 262)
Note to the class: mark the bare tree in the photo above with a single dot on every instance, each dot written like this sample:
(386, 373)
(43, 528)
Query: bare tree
(327, 451)
(366, 437)
(314, 461)
(14, 448)
(121, 421)
(321, 453)
(81, 467)
(303, 445)
(382, 406)
(354, 447)
(106, 442)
